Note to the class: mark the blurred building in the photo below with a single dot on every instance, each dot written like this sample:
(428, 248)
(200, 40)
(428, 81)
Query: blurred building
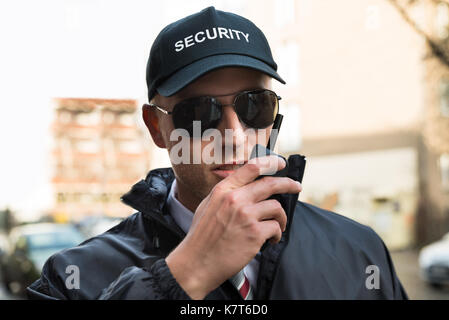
(368, 107)
(99, 153)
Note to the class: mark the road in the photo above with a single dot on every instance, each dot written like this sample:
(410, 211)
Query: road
(5, 295)
(407, 269)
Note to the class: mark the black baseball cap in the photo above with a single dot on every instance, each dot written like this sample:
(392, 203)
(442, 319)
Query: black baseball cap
(210, 39)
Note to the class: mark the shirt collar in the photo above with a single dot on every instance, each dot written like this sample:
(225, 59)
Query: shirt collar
(182, 216)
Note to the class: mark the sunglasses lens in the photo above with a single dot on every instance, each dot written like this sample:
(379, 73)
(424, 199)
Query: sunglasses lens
(204, 109)
(257, 109)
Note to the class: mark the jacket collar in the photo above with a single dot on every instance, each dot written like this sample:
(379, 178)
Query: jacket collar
(149, 196)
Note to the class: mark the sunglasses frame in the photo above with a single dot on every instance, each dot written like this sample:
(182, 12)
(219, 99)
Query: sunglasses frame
(237, 94)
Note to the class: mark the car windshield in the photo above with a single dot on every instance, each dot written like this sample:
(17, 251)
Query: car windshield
(60, 239)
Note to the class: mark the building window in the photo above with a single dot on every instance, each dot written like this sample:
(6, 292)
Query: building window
(87, 146)
(127, 119)
(444, 169)
(130, 147)
(444, 98)
(88, 118)
(61, 197)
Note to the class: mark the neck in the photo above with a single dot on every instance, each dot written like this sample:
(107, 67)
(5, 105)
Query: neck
(188, 199)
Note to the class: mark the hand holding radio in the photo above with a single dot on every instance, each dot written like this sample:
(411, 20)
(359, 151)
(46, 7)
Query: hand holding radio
(233, 222)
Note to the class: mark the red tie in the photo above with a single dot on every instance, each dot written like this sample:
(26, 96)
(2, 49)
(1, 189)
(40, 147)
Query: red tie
(241, 282)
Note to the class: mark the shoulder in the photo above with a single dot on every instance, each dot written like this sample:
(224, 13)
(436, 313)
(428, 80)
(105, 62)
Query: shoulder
(339, 254)
(329, 219)
(336, 229)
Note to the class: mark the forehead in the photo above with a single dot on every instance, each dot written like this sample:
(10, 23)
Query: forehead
(224, 81)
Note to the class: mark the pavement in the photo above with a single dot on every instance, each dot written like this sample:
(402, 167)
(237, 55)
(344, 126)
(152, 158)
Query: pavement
(4, 295)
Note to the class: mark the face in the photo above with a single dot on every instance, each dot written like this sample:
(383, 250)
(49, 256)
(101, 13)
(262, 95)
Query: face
(196, 180)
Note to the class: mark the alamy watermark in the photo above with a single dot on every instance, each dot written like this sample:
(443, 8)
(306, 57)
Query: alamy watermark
(373, 280)
(190, 149)
(73, 280)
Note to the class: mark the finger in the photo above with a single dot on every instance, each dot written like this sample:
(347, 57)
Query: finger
(263, 188)
(251, 170)
(271, 230)
(268, 164)
(269, 210)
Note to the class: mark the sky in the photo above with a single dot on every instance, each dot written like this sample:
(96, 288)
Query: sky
(84, 48)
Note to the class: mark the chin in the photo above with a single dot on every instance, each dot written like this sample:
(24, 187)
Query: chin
(199, 182)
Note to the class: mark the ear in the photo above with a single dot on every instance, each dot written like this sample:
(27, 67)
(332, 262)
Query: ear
(152, 122)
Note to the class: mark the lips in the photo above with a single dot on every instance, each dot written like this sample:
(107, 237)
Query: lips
(224, 170)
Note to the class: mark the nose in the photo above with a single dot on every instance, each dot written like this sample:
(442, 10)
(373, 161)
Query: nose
(232, 131)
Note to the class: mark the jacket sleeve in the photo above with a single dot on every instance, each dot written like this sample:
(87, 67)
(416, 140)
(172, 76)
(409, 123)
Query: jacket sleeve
(398, 290)
(155, 283)
(134, 283)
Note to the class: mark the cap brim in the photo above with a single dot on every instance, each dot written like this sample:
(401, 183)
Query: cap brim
(193, 71)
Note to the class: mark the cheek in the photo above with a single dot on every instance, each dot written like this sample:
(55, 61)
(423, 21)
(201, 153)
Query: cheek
(166, 127)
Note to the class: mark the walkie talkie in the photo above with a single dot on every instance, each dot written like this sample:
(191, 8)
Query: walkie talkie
(261, 151)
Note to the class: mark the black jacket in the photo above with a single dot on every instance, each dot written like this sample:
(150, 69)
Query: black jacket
(322, 255)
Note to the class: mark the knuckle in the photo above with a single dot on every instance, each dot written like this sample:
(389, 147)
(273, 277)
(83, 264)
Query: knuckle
(277, 229)
(278, 236)
(218, 188)
(232, 198)
(216, 193)
(276, 205)
(243, 212)
(254, 230)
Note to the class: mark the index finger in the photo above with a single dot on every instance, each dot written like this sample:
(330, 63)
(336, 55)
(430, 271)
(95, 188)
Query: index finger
(251, 170)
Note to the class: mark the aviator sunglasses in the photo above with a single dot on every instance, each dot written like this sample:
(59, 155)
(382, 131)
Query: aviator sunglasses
(255, 108)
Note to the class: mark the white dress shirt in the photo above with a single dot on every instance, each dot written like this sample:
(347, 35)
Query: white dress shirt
(183, 217)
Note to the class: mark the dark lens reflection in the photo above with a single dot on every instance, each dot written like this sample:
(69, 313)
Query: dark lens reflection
(204, 109)
(257, 109)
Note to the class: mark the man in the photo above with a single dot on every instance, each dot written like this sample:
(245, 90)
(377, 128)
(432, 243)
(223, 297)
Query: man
(201, 225)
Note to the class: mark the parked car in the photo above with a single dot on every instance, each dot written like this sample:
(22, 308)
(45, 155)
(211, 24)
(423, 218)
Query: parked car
(434, 262)
(95, 225)
(3, 245)
(29, 248)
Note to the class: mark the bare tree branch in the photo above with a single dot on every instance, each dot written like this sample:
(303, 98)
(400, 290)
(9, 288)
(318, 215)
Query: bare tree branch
(437, 49)
(440, 1)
